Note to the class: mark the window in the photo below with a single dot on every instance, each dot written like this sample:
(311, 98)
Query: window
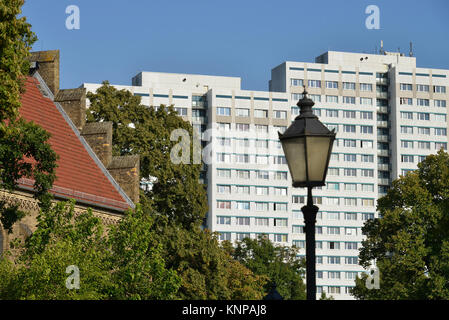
(405, 87)
(367, 158)
(315, 97)
(259, 113)
(224, 204)
(242, 189)
(263, 222)
(244, 127)
(279, 175)
(331, 84)
(281, 129)
(367, 144)
(280, 238)
(331, 113)
(367, 173)
(279, 206)
(351, 216)
(439, 103)
(241, 236)
(332, 99)
(243, 174)
(350, 172)
(423, 116)
(279, 114)
(424, 145)
(333, 230)
(242, 158)
(223, 157)
(242, 221)
(422, 87)
(280, 222)
(262, 159)
(406, 130)
(366, 101)
(298, 229)
(368, 187)
(261, 206)
(406, 144)
(349, 85)
(368, 115)
(333, 186)
(333, 275)
(314, 83)
(348, 114)
(406, 101)
(350, 231)
(333, 216)
(222, 126)
(349, 128)
(333, 260)
(223, 189)
(335, 156)
(297, 82)
(296, 96)
(439, 89)
(350, 201)
(350, 143)
(351, 260)
(225, 236)
(242, 205)
(440, 117)
(262, 191)
(298, 199)
(351, 246)
(223, 220)
(261, 144)
(350, 187)
(224, 141)
(366, 87)
(407, 115)
(333, 171)
(440, 131)
(241, 112)
(439, 145)
(368, 202)
(422, 102)
(222, 111)
(350, 157)
(224, 173)
(261, 128)
(366, 129)
(333, 201)
(279, 160)
(181, 111)
(264, 175)
(280, 191)
(349, 100)
(242, 142)
(424, 131)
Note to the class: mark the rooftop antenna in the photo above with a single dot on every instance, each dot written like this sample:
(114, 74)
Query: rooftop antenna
(411, 49)
(381, 51)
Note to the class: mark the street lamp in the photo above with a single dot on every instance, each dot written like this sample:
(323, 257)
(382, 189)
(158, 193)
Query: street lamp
(307, 146)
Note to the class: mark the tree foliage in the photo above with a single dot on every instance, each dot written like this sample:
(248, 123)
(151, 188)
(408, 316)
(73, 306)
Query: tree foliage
(123, 263)
(410, 242)
(176, 191)
(278, 263)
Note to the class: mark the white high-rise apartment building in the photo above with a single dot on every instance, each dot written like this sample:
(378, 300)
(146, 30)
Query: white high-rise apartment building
(388, 115)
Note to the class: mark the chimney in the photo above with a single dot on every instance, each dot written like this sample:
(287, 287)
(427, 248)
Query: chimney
(99, 137)
(125, 170)
(74, 103)
(48, 67)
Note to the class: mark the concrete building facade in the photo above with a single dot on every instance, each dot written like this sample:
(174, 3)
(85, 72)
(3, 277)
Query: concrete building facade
(388, 115)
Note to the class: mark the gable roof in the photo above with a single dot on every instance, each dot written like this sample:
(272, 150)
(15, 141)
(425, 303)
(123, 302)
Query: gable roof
(80, 174)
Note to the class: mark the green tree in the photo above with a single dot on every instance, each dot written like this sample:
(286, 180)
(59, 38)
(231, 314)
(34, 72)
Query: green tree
(278, 263)
(123, 263)
(410, 242)
(16, 39)
(176, 191)
(24, 148)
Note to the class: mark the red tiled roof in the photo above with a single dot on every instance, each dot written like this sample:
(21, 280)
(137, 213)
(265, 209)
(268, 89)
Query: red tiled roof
(78, 175)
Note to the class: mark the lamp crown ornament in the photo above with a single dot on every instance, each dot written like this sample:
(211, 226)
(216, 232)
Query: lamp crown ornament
(305, 105)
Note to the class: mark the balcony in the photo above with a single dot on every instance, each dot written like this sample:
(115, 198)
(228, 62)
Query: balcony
(382, 138)
(383, 181)
(382, 124)
(382, 109)
(382, 153)
(382, 81)
(382, 95)
(383, 166)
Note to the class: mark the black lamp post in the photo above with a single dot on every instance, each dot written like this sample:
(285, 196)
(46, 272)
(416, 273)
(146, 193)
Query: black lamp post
(307, 146)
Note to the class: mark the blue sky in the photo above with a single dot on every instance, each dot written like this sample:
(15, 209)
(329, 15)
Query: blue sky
(246, 38)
